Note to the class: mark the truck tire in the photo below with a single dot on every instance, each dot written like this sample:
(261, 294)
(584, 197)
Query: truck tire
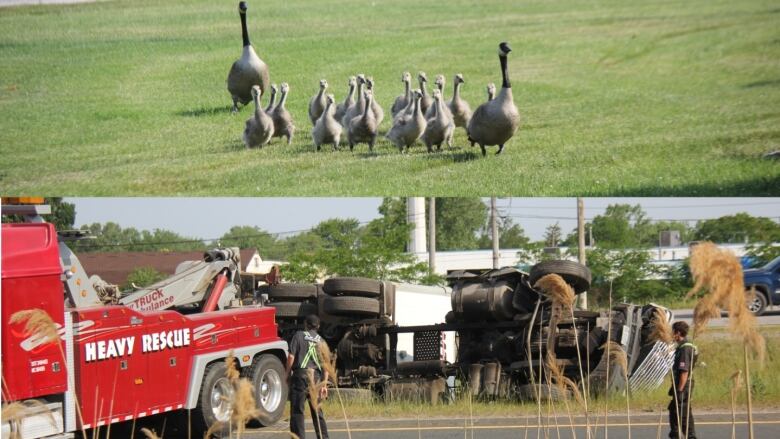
(351, 306)
(352, 286)
(756, 301)
(575, 274)
(294, 309)
(290, 292)
(215, 400)
(268, 379)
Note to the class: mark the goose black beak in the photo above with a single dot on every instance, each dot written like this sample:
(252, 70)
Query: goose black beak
(242, 7)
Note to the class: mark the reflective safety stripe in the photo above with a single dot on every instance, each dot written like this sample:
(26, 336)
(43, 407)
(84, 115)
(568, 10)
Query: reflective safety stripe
(311, 354)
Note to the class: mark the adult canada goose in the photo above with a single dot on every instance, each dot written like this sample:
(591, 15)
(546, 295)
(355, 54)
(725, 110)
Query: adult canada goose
(341, 109)
(439, 126)
(460, 109)
(491, 91)
(270, 106)
(379, 113)
(317, 103)
(359, 105)
(363, 127)
(495, 121)
(247, 71)
(327, 129)
(408, 128)
(403, 100)
(259, 128)
(283, 122)
(426, 100)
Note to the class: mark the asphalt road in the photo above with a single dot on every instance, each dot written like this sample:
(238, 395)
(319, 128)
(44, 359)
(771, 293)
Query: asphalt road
(709, 426)
(771, 317)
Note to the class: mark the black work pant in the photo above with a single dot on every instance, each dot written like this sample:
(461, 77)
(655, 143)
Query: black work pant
(681, 416)
(300, 383)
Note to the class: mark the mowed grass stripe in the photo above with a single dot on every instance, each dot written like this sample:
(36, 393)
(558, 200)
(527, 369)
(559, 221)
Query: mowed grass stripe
(616, 98)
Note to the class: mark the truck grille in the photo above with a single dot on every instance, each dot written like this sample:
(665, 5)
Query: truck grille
(651, 372)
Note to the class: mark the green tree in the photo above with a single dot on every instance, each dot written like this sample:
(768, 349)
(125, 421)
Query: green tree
(62, 214)
(552, 235)
(142, 277)
(741, 227)
(654, 230)
(375, 251)
(621, 226)
(253, 237)
(510, 235)
(111, 237)
(458, 223)
(630, 275)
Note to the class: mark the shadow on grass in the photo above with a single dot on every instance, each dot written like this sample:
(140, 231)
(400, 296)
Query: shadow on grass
(204, 111)
(767, 83)
(758, 186)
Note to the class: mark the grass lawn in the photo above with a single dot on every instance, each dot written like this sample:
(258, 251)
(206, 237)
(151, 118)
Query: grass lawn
(618, 97)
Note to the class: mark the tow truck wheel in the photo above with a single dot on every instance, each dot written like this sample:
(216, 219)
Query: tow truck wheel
(756, 302)
(267, 377)
(575, 274)
(215, 403)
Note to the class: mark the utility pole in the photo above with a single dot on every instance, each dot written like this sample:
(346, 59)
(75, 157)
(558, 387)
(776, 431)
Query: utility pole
(432, 234)
(583, 299)
(494, 230)
(415, 211)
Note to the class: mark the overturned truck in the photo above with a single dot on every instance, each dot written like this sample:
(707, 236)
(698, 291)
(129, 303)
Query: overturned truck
(504, 329)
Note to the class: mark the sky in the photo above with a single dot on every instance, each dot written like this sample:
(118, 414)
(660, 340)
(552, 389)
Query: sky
(207, 218)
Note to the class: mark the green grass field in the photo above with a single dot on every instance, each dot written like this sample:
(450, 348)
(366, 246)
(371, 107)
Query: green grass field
(617, 97)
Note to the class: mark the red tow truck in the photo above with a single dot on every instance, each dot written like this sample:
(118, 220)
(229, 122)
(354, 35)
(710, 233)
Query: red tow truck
(119, 358)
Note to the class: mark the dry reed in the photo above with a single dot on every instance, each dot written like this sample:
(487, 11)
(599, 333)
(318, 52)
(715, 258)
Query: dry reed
(14, 414)
(39, 323)
(662, 330)
(150, 434)
(736, 386)
(562, 294)
(616, 355)
(328, 363)
(719, 272)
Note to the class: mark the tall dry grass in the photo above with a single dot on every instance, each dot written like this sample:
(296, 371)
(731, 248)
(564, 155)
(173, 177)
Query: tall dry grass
(616, 355)
(736, 386)
(328, 363)
(662, 329)
(243, 406)
(14, 414)
(39, 323)
(562, 294)
(718, 273)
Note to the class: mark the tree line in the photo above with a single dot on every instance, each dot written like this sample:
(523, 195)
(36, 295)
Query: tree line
(377, 249)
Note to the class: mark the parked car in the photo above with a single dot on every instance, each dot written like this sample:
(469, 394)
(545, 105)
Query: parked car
(763, 286)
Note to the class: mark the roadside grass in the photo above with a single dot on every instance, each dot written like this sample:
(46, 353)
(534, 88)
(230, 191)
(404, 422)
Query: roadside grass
(720, 356)
(617, 97)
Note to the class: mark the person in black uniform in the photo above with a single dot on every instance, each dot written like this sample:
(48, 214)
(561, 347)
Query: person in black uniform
(680, 411)
(303, 370)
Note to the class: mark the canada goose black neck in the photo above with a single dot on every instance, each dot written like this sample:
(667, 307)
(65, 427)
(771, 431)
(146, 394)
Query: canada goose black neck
(504, 72)
(244, 33)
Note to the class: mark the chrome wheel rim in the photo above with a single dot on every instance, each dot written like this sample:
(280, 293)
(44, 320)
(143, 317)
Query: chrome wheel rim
(270, 390)
(754, 304)
(222, 399)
